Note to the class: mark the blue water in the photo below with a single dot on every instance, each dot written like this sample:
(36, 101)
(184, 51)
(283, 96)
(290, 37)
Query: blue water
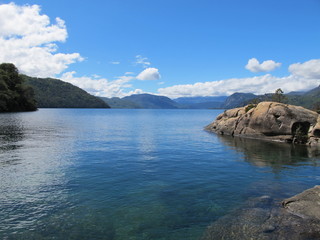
(134, 174)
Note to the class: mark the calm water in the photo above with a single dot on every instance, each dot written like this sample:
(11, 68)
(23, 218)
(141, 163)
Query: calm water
(133, 174)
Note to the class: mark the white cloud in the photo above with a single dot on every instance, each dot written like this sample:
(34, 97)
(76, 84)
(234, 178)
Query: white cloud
(28, 40)
(136, 91)
(96, 76)
(266, 66)
(309, 69)
(101, 87)
(304, 76)
(149, 74)
(142, 61)
(115, 62)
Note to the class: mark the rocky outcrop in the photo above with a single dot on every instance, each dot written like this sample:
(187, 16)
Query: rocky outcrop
(263, 218)
(305, 204)
(270, 121)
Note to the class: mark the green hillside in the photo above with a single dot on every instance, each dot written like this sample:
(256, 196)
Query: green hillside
(15, 94)
(311, 99)
(54, 93)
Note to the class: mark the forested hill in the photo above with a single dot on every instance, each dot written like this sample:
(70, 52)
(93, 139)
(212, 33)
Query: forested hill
(15, 94)
(54, 93)
(152, 101)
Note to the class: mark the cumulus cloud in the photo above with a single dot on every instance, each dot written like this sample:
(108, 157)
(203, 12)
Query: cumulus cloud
(28, 40)
(101, 87)
(304, 76)
(142, 61)
(149, 74)
(266, 66)
(136, 91)
(309, 69)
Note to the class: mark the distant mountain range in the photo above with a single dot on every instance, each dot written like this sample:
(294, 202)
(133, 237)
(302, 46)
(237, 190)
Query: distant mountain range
(238, 100)
(54, 93)
(152, 101)
(201, 102)
(161, 102)
(307, 99)
(141, 101)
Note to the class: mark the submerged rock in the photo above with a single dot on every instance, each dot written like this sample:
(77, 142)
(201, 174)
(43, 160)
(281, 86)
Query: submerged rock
(263, 218)
(305, 204)
(271, 121)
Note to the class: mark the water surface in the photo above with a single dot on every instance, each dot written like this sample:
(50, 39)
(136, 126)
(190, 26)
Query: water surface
(134, 174)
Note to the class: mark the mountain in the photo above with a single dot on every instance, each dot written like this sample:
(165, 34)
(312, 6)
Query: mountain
(194, 100)
(204, 105)
(54, 93)
(151, 101)
(154, 101)
(299, 93)
(201, 102)
(315, 92)
(238, 100)
(116, 102)
(309, 99)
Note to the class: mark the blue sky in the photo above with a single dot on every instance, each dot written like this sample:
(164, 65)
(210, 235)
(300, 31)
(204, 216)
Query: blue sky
(173, 48)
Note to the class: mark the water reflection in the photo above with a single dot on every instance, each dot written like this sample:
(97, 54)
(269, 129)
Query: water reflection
(276, 155)
(32, 169)
(11, 132)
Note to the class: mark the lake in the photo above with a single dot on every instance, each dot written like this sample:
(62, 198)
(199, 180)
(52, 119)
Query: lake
(134, 174)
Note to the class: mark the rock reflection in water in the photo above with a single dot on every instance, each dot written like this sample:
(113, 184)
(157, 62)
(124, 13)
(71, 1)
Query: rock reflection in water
(263, 217)
(273, 154)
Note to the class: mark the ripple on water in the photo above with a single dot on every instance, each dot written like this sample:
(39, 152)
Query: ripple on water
(133, 174)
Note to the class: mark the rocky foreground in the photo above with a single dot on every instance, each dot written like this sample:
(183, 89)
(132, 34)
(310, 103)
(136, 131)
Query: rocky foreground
(270, 121)
(296, 218)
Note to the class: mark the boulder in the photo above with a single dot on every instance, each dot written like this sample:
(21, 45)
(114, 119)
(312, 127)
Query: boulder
(264, 218)
(305, 204)
(271, 121)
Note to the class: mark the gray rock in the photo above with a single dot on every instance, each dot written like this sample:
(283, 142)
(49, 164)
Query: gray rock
(270, 121)
(305, 204)
(264, 218)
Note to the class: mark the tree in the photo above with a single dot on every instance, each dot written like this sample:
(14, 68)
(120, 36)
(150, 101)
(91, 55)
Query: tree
(278, 96)
(15, 95)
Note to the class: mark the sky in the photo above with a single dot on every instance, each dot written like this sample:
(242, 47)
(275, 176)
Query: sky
(174, 48)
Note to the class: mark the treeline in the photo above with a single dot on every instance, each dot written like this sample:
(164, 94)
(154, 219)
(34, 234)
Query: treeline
(15, 94)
